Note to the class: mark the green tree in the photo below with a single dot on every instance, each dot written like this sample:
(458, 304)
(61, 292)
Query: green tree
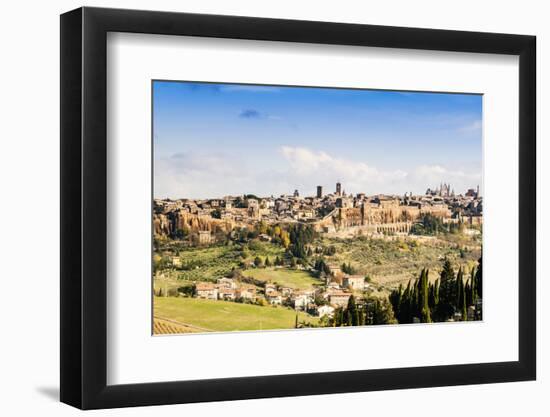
(425, 314)
(472, 296)
(338, 318)
(285, 239)
(429, 225)
(478, 279)
(447, 292)
(406, 305)
(461, 305)
(351, 313)
(182, 233)
(464, 305)
(382, 312)
(360, 317)
(348, 269)
(395, 298)
(434, 295)
(479, 291)
(258, 261)
(459, 289)
(262, 227)
(293, 262)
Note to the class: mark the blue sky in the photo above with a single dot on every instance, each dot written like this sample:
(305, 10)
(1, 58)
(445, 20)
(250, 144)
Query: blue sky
(212, 140)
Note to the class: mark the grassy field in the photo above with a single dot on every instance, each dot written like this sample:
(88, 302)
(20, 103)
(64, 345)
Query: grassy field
(226, 315)
(284, 277)
(170, 286)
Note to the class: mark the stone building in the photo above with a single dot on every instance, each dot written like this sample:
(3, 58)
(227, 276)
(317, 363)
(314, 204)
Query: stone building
(206, 290)
(339, 298)
(205, 237)
(319, 191)
(354, 282)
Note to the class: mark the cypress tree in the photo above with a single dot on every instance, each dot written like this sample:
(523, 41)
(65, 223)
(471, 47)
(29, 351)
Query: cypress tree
(360, 316)
(415, 304)
(335, 317)
(419, 299)
(478, 280)
(436, 293)
(355, 317)
(459, 289)
(365, 312)
(406, 303)
(464, 310)
(382, 312)
(473, 289)
(376, 312)
(352, 317)
(395, 298)
(468, 293)
(425, 315)
(447, 292)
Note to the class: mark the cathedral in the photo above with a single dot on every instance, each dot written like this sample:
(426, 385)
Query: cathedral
(444, 190)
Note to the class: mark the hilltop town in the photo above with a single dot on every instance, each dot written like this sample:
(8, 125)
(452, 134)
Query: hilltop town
(313, 255)
(331, 213)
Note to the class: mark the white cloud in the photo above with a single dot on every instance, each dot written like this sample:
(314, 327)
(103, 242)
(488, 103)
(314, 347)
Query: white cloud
(317, 166)
(199, 175)
(305, 160)
(433, 175)
(312, 168)
(215, 174)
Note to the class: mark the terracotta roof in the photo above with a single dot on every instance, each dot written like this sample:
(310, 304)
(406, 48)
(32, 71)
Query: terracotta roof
(355, 277)
(273, 294)
(203, 286)
(340, 294)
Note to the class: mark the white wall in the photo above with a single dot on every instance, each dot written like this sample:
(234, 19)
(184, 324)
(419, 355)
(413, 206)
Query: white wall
(29, 160)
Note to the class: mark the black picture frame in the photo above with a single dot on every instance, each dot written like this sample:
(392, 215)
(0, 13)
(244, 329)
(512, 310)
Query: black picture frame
(84, 207)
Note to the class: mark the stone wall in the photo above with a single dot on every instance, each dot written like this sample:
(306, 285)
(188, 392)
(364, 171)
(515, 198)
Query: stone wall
(368, 215)
(168, 224)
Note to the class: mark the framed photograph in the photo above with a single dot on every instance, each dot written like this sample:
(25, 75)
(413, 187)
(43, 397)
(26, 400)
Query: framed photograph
(258, 208)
